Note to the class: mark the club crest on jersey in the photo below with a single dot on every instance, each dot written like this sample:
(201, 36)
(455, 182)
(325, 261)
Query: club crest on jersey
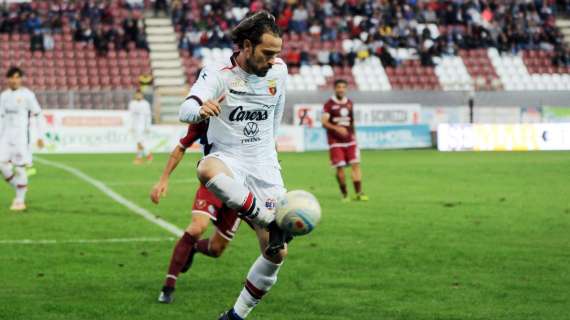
(272, 86)
(201, 204)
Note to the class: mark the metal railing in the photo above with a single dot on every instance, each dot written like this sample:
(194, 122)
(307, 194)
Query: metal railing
(85, 99)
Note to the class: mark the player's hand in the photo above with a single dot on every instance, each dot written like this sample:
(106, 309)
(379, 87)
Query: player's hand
(342, 131)
(40, 143)
(211, 108)
(159, 190)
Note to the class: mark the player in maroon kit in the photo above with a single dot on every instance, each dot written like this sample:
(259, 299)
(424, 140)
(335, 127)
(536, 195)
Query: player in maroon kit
(338, 120)
(206, 207)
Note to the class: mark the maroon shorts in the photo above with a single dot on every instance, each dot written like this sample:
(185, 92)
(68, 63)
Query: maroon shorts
(344, 154)
(225, 219)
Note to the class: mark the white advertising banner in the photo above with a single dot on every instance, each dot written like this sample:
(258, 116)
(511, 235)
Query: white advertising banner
(86, 131)
(503, 137)
(309, 115)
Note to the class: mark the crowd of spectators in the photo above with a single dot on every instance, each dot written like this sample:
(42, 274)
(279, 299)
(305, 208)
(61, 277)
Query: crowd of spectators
(373, 26)
(377, 25)
(98, 22)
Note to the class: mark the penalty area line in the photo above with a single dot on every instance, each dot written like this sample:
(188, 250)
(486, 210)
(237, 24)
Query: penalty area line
(85, 241)
(116, 197)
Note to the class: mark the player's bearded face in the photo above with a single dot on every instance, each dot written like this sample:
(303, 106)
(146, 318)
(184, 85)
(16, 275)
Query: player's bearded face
(263, 55)
(340, 90)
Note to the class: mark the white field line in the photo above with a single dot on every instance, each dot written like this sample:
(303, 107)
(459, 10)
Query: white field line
(116, 197)
(83, 241)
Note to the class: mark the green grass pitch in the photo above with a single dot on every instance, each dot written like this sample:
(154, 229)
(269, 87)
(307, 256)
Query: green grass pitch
(445, 236)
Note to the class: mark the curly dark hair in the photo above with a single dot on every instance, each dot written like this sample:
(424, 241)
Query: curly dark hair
(253, 27)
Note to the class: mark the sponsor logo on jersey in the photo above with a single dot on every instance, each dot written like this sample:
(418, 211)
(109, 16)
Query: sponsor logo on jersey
(251, 129)
(272, 86)
(344, 112)
(240, 93)
(238, 114)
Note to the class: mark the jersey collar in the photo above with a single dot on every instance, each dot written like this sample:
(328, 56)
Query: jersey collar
(343, 101)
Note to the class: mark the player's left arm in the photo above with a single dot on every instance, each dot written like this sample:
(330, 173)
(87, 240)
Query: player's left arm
(36, 112)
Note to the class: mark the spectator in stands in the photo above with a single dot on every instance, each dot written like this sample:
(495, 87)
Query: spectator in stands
(145, 85)
(293, 58)
(299, 21)
(561, 57)
(37, 41)
(49, 43)
(100, 42)
(160, 5)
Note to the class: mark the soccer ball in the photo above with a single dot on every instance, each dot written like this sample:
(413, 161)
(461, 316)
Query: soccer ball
(298, 212)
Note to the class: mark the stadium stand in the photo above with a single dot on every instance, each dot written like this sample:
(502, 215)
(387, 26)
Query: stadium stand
(79, 47)
(375, 45)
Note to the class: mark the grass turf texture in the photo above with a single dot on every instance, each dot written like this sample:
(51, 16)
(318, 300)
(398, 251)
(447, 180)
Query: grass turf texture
(445, 236)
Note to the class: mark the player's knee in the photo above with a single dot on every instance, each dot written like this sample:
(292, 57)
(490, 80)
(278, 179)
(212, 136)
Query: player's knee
(209, 168)
(217, 248)
(196, 230)
(205, 171)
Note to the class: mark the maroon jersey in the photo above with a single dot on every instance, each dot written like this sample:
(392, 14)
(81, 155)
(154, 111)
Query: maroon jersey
(195, 131)
(341, 114)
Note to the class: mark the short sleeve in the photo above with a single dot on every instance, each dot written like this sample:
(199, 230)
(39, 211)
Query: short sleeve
(33, 104)
(195, 132)
(208, 86)
(327, 107)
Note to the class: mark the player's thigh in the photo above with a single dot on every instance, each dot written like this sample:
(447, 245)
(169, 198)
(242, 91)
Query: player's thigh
(337, 158)
(216, 163)
(5, 151)
(227, 223)
(352, 154)
(204, 208)
(19, 154)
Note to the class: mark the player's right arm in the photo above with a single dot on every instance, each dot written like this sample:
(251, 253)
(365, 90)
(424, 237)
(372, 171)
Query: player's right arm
(195, 131)
(205, 97)
(161, 187)
(327, 124)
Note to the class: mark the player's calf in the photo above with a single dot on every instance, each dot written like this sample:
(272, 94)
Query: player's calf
(261, 277)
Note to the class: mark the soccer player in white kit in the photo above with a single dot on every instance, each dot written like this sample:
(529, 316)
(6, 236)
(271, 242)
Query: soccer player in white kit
(141, 120)
(17, 105)
(244, 100)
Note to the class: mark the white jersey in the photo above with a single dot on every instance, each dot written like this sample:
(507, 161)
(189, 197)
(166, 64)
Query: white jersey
(140, 115)
(16, 109)
(251, 110)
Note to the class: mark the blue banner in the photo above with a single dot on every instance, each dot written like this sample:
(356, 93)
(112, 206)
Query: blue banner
(384, 137)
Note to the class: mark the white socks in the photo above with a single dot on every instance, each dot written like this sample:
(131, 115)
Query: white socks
(238, 197)
(20, 181)
(261, 277)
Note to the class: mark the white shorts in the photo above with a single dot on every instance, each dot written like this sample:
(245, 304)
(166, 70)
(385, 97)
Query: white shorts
(264, 180)
(18, 153)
